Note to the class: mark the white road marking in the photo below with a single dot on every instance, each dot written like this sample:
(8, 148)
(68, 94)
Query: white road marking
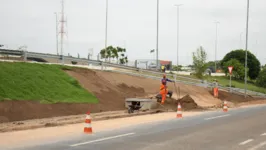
(217, 117)
(263, 134)
(258, 146)
(102, 139)
(245, 142)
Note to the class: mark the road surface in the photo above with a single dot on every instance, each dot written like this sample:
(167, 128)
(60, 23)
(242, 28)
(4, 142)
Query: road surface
(238, 129)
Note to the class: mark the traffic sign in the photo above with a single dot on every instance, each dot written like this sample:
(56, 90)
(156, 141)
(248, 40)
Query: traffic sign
(230, 69)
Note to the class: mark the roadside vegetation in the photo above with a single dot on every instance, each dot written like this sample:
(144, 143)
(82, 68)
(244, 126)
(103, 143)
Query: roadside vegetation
(236, 58)
(117, 53)
(224, 81)
(41, 82)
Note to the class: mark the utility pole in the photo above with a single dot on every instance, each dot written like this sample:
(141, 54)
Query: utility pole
(215, 61)
(106, 29)
(56, 30)
(177, 34)
(157, 37)
(246, 58)
(62, 31)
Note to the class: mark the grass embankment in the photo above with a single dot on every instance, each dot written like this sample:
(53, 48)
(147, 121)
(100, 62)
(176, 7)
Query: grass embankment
(41, 82)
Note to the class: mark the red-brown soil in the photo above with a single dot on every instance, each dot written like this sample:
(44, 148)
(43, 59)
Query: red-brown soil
(111, 89)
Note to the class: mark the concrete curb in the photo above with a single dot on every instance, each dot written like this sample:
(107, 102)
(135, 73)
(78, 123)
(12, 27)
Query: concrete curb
(20, 125)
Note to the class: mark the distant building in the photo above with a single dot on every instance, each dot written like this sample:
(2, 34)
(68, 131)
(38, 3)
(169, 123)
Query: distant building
(151, 64)
(167, 64)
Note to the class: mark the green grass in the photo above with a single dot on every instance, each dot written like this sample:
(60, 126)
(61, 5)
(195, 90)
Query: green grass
(224, 81)
(41, 82)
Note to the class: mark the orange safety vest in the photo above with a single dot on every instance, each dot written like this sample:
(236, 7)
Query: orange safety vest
(163, 87)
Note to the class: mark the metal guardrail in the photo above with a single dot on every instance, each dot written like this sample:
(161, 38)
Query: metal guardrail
(26, 54)
(200, 84)
(186, 80)
(252, 93)
(11, 52)
(239, 91)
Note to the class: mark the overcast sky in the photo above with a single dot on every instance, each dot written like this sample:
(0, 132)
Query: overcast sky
(132, 24)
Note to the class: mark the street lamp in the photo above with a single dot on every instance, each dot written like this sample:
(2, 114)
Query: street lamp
(216, 23)
(106, 21)
(246, 48)
(157, 36)
(177, 31)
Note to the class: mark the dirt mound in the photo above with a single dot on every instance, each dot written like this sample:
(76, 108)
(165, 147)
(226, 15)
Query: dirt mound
(110, 94)
(188, 103)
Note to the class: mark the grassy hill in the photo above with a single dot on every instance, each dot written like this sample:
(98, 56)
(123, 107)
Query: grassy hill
(41, 82)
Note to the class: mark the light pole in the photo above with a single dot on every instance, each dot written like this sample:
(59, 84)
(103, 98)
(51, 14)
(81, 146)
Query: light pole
(106, 23)
(177, 32)
(56, 30)
(157, 36)
(215, 61)
(246, 48)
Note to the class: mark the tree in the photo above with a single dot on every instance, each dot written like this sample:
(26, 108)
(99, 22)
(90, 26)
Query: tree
(261, 80)
(199, 61)
(107, 53)
(238, 70)
(117, 53)
(211, 65)
(263, 67)
(123, 60)
(253, 62)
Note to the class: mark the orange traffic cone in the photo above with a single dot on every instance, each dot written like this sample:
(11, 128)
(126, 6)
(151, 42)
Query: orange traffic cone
(179, 111)
(88, 128)
(225, 108)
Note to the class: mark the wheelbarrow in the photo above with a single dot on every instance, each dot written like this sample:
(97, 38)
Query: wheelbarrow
(159, 96)
(134, 107)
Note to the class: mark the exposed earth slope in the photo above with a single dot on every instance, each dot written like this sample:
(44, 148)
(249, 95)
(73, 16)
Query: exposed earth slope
(109, 88)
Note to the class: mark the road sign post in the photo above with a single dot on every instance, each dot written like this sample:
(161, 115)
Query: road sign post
(230, 83)
(230, 69)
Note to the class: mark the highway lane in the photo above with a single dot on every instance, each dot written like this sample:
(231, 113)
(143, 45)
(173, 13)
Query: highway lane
(237, 129)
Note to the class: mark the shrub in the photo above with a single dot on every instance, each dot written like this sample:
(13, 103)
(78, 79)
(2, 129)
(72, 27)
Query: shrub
(261, 80)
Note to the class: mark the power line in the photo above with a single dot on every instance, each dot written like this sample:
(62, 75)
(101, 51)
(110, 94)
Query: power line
(62, 29)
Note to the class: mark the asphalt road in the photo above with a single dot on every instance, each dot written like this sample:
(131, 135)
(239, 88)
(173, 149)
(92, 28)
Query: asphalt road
(239, 129)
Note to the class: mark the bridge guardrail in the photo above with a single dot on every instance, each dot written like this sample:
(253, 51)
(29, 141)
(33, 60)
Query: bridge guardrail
(190, 81)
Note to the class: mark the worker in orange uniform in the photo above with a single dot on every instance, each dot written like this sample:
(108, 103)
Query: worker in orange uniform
(163, 88)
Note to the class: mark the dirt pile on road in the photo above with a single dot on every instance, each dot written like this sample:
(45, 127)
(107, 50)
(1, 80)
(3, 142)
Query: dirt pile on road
(188, 103)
